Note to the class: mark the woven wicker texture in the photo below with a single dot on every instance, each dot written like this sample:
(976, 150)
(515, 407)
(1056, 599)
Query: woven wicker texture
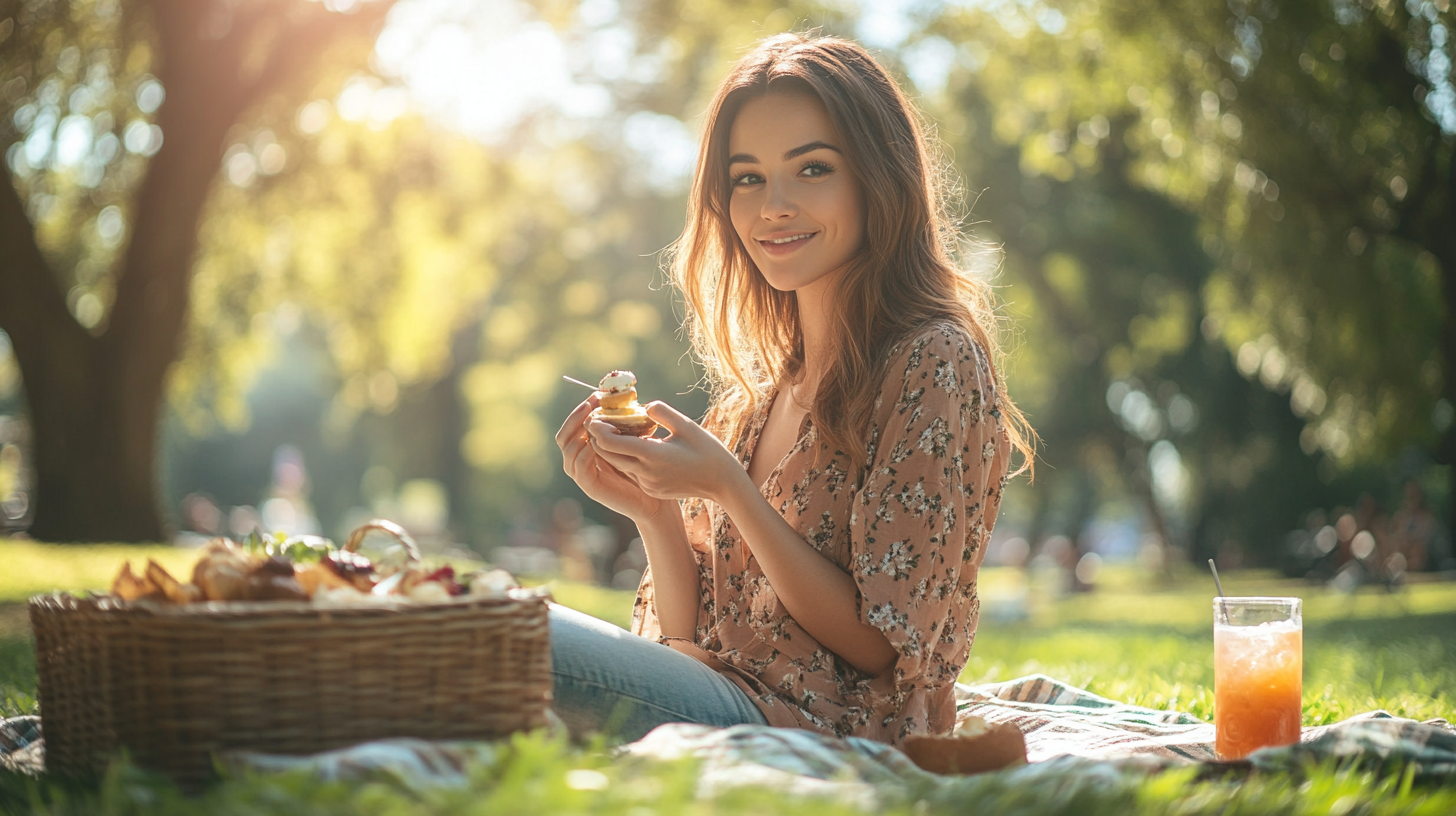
(175, 684)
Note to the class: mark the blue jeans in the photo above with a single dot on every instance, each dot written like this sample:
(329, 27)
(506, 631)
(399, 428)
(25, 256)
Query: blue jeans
(606, 679)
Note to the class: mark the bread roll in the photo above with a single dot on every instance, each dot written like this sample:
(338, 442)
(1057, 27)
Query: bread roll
(976, 746)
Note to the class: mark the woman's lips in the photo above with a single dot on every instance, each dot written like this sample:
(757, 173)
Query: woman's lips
(786, 247)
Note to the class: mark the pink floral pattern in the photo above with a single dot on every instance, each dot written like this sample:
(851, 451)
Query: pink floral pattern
(911, 528)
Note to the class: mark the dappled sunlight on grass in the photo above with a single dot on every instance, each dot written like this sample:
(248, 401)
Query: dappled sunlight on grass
(610, 605)
(17, 677)
(1155, 670)
(1133, 639)
(1126, 641)
(31, 568)
(1126, 595)
(1154, 647)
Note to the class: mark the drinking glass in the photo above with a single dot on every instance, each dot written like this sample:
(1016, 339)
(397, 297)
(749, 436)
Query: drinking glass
(1258, 663)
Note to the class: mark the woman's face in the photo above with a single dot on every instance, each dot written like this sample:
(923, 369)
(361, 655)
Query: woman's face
(795, 201)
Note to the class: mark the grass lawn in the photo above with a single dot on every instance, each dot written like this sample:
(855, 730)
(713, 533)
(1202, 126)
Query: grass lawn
(1151, 647)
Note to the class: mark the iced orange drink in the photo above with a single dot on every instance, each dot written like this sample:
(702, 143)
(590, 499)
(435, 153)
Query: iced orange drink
(1258, 663)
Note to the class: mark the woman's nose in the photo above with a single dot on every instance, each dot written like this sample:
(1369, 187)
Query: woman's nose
(779, 202)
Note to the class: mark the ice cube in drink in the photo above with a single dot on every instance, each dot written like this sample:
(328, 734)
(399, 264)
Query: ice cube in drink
(1257, 684)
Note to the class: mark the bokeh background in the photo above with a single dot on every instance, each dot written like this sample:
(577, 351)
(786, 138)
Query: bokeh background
(296, 264)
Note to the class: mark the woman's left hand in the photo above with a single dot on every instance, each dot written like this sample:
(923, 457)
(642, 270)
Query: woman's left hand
(688, 463)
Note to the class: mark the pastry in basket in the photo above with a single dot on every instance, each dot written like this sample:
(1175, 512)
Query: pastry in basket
(338, 569)
(155, 584)
(619, 407)
(307, 568)
(227, 573)
(223, 572)
(974, 747)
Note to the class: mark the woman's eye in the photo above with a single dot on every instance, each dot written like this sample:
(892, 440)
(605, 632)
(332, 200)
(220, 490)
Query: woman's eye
(816, 169)
(744, 179)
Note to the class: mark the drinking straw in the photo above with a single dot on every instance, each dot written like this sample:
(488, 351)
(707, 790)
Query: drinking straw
(578, 382)
(1219, 584)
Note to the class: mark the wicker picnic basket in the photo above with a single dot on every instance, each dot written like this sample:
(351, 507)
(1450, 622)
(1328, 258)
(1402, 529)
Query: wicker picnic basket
(175, 685)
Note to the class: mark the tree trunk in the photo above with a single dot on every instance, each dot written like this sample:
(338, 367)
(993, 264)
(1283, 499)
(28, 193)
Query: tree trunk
(1426, 218)
(455, 423)
(90, 482)
(95, 401)
(94, 455)
(1140, 477)
(1444, 249)
(1427, 221)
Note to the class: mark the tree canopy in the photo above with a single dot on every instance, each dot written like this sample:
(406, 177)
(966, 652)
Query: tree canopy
(1221, 234)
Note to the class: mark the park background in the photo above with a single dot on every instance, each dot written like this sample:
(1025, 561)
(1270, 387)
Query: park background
(295, 264)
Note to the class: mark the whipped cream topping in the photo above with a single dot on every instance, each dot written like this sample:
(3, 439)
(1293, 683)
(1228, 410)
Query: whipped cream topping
(617, 382)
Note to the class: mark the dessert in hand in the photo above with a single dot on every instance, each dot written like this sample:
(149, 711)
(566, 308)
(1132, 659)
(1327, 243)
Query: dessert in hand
(975, 746)
(619, 407)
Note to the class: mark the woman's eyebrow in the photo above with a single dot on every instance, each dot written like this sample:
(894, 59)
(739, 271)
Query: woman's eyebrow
(808, 148)
(744, 158)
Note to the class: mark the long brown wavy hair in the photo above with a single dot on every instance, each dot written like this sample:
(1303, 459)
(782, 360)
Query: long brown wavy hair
(904, 277)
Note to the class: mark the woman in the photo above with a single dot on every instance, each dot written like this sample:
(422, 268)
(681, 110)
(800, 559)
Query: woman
(820, 571)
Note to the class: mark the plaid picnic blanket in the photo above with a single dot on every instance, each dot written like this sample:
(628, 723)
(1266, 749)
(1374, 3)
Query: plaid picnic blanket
(1073, 737)
(1059, 719)
(21, 748)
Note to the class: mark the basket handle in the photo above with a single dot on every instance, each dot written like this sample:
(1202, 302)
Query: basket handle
(357, 537)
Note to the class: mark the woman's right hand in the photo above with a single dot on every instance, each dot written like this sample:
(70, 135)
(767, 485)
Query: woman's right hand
(599, 480)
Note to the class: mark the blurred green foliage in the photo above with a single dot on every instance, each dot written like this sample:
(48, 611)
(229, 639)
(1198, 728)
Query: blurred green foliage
(1185, 199)
(1299, 139)
(1216, 230)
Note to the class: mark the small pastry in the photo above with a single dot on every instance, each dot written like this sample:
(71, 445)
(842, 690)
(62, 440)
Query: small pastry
(222, 571)
(974, 747)
(173, 590)
(129, 586)
(316, 578)
(496, 583)
(274, 580)
(428, 592)
(351, 567)
(619, 408)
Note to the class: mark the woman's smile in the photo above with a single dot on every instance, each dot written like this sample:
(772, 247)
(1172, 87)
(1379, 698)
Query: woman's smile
(780, 245)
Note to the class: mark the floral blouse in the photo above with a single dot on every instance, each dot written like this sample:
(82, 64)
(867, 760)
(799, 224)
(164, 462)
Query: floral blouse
(911, 528)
